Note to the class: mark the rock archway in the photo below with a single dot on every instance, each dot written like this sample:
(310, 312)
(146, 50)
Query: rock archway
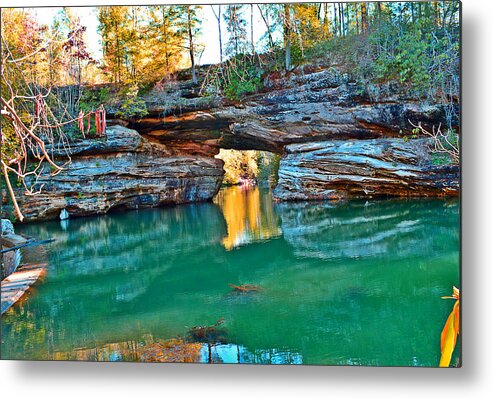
(334, 144)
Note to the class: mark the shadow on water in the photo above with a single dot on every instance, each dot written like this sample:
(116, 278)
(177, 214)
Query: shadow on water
(342, 283)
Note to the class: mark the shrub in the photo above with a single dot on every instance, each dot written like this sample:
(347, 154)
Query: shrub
(238, 87)
(243, 77)
(235, 78)
(416, 59)
(92, 98)
(132, 106)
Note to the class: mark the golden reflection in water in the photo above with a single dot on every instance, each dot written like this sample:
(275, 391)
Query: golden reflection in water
(247, 216)
(176, 350)
(147, 350)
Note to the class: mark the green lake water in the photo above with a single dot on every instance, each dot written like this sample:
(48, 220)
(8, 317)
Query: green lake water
(340, 283)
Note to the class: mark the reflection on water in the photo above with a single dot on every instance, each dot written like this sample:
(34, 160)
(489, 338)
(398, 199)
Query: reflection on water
(342, 283)
(175, 350)
(249, 216)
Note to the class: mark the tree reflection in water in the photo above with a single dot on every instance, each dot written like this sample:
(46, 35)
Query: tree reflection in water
(176, 350)
(249, 216)
(356, 282)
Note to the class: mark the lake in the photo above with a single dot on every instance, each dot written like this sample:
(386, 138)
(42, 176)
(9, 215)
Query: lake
(336, 283)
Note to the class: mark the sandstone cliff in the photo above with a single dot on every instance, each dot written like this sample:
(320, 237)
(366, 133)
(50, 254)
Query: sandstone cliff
(334, 142)
(123, 171)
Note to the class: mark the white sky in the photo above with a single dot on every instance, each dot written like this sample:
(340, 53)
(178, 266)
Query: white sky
(208, 38)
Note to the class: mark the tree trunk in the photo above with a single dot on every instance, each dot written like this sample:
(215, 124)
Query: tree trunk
(218, 17)
(335, 19)
(118, 60)
(251, 29)
(190, 42)
(220, 35)
(165, 38)
(341, 19)
(326, 20)
(356, 18)
(235, 34)
(287, 39)
(364, 17)
(267, 25)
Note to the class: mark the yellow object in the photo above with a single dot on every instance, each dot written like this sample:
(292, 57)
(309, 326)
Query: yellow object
(450, 331)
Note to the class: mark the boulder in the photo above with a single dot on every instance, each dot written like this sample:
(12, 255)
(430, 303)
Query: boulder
(64, 215)
(12, 240)
(7, 227)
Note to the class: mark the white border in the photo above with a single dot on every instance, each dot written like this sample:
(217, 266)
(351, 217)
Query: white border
(475, 380)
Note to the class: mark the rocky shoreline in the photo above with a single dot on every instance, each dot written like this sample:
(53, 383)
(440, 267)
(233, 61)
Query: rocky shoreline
(122, 171)
(334, 144)
(342, 169)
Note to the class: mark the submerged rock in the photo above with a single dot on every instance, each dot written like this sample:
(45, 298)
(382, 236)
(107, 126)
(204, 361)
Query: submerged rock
(208, 334)
(244, 288)
(171, 350)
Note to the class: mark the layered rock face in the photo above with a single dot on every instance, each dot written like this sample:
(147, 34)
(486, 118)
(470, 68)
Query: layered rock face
(363, 168)
(123, 171)
(334, 144)
(319, 106)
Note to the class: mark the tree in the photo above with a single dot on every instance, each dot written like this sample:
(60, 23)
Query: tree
(287, 31)
(75, 46)
(218, 18)
(190, 28)
(236, 26)
(27, 119)
(364, 17)
(326, 29)
(264, 13)
(190, 41)
(306, 26)
(112, 25)
(75, 59)
(167, 42)
(145, 44)
(252, 42)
